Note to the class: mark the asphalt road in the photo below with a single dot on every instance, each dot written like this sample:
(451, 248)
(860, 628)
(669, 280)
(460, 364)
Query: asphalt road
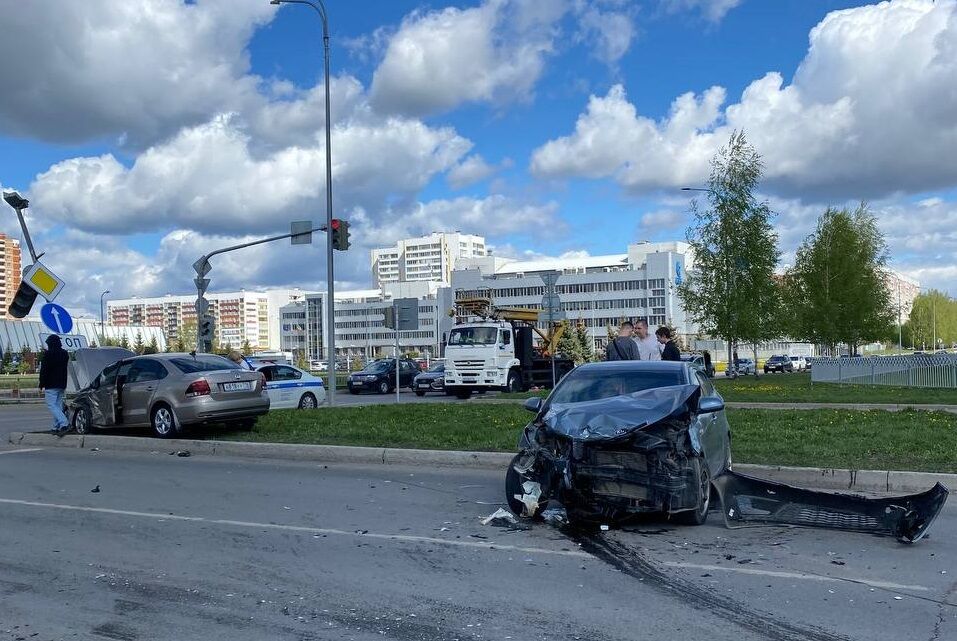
(202, 548)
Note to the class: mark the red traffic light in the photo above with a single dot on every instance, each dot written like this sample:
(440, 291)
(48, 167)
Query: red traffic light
(335, 223)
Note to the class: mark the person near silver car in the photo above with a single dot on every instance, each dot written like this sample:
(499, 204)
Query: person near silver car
(53, 370)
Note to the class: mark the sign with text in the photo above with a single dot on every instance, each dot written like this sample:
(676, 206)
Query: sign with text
(71, 342)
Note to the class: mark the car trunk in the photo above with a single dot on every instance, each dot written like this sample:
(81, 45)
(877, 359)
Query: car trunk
(232, 384)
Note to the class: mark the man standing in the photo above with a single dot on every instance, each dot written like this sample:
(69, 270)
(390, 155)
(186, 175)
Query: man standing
(670, 352)
(648, 347)
(623, 347)
(53, 365)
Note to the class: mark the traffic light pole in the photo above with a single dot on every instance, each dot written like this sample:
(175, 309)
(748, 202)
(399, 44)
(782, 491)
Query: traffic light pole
(202, 268)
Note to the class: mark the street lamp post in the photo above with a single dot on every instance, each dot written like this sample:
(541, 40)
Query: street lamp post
(330, 289)
(102, 323)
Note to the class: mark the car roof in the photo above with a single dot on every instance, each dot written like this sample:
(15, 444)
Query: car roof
(636, 366)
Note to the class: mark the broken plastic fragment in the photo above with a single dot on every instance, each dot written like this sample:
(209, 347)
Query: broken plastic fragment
(555, 515)
(499, 516)
(530, 499)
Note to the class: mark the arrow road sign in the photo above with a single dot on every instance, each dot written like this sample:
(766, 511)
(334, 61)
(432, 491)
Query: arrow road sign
(56, 318)
(201, 284)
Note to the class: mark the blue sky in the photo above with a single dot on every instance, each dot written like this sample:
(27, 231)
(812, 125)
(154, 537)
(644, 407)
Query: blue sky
(550, 126)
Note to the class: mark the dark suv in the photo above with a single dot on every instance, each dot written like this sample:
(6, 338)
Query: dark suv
(778, 364)
(379, 376)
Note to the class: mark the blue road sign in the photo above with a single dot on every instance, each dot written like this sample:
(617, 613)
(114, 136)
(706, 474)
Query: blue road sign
(56, 318)
(678, 278)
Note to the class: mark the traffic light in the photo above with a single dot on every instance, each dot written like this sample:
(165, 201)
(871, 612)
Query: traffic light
(340, 234)
(206, 329)
(23, 301)
(389, 320)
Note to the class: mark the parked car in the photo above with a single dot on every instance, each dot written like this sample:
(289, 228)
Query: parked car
(379, 376)
(743, 367)
(319, 366)
(799, 363)
(778, 364)
(623, 437)
(432, 380)
(166, 392)
(697, 361)
(291, 387)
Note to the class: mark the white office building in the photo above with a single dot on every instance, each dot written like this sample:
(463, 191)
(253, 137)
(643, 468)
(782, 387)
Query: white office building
(427, 258)
(599, 291)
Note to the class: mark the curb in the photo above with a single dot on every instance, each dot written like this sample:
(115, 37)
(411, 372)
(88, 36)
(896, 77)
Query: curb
(887, 407)
(811, 477)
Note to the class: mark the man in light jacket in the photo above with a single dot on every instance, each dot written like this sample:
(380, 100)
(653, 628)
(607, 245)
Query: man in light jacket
(649, 349)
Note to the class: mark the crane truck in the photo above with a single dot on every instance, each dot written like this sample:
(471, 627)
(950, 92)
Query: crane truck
(493, 348)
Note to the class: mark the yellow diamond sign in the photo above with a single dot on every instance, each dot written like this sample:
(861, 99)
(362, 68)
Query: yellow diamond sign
(45, 282)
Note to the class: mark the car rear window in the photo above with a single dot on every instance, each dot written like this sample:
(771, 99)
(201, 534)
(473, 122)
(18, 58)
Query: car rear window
(581, 386)
(205, 363)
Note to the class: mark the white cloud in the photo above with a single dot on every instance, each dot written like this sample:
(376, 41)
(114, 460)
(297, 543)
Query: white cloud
(472, 170)
(139, 69)
(871, 111)
(440, 59)
(713, 10)
(207, 179)
(610, 32)
(665, 219)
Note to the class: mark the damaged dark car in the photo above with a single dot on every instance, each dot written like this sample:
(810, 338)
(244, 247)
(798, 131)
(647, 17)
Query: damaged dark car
(620, 438)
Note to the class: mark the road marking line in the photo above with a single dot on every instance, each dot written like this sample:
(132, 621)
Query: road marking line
(302, 529)
(797, 575)
(30, 449)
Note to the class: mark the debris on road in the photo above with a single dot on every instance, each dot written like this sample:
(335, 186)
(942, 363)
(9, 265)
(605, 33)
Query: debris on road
(180, 453)
(499, 517)
(96, 490)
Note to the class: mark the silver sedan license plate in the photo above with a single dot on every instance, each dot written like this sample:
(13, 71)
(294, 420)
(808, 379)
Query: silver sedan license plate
(244, 386)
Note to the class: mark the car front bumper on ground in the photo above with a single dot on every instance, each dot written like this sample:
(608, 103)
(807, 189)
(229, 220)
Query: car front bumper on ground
(365, 386)
(429, 385)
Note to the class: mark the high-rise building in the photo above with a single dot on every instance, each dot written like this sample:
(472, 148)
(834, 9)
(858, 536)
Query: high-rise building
(902, 290)
(238, 316)
(427, 258)
(10, 272)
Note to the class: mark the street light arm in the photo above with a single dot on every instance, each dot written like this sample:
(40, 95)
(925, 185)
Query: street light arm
(315, 4)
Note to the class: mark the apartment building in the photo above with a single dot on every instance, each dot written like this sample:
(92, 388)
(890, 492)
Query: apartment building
(10, 272)
(427, 258)
(239, 316)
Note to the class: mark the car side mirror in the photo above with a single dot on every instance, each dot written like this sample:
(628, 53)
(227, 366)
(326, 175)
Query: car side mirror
(710, 404)
(533, 404)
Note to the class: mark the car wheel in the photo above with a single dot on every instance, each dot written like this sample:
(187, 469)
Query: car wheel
(513, 384)
(82, 420)
(699, 515)
(308, 402)
(513, 488)
(418, 393)
(246, 425)
(463, 394)
(163, 421)
(353, 391)
(384, 387)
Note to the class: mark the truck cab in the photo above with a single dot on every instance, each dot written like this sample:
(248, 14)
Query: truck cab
(481, 356)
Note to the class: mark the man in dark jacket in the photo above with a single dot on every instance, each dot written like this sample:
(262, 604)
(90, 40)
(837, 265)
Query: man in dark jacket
(671, 351)
(623, 347)
(53, 366)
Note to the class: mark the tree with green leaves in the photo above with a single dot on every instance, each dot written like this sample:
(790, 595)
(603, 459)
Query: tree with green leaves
(187, 336)
(138, 344)
(152, 347)
(7, 363)
(836, 291)
(586, 343)
(247, 348)
(731, 293)
(124, 342)
(569, 346)
(934, 314)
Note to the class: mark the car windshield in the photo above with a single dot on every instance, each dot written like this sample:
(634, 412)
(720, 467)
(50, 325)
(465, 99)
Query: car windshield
(594, 384)
(438, 367)
(381, 366)
(473, 336)
(202, 363)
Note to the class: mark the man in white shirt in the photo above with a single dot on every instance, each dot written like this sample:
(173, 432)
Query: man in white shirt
(648, 346)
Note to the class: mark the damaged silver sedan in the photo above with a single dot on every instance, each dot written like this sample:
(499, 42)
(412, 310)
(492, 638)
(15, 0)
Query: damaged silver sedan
(620, 438)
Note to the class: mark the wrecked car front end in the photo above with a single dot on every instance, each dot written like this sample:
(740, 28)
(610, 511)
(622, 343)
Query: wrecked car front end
(608, 458)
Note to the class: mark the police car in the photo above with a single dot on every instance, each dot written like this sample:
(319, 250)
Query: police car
(290, 387)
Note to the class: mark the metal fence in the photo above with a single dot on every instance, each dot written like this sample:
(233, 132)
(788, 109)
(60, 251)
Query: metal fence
(918, 370)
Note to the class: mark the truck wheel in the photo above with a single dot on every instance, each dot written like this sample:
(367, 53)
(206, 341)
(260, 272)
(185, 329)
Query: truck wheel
(463, 393)
(514, 383)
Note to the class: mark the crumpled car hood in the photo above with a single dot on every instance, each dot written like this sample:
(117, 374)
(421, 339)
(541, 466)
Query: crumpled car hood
(88, 362)
(616, 416)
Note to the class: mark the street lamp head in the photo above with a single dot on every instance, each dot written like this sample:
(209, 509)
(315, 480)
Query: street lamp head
(275, 2)
(15, 200)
